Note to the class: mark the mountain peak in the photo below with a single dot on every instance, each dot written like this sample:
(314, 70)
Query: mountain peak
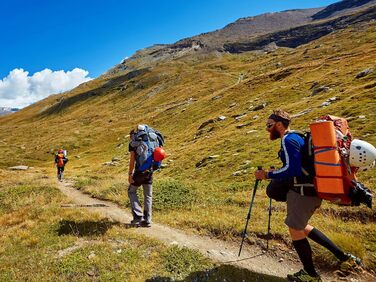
(341, 7)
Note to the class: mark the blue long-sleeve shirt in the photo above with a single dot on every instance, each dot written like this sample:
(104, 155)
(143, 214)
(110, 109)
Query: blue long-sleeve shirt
(290, 154)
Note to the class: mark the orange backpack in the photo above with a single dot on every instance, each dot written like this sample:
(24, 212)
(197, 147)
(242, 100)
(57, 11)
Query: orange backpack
(331, 140)
(60, 160)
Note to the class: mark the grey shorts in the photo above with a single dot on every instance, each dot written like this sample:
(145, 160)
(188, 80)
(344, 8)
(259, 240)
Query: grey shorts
(300, 209)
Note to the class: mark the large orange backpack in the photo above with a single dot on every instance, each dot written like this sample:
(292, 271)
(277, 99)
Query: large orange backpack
(331, 140)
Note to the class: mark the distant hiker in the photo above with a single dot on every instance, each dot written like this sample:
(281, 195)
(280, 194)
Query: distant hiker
(146, 155)
(60, 162)
(302, 200)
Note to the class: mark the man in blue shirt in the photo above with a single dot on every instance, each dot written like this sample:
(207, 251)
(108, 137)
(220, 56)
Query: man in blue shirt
(301, 198)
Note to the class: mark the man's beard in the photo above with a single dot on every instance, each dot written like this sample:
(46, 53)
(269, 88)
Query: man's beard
(274, 134)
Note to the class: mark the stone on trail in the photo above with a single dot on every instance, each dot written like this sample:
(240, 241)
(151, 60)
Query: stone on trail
(19, 167)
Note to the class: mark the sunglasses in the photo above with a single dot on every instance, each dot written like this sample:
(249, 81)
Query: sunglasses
(270, 125)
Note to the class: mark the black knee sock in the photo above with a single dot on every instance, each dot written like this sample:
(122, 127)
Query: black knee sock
(324, 241)
(304, 251)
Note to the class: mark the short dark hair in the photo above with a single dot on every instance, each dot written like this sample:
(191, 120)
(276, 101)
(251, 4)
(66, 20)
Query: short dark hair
(282, 116)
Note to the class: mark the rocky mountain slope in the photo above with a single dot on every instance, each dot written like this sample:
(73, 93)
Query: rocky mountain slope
(287, 29)
(342, 7)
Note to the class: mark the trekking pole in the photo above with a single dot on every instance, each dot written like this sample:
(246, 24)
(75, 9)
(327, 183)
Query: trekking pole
(244, 234)
(270, 215)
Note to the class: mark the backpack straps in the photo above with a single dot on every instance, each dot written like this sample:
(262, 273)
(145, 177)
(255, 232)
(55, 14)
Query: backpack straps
(145, 141)
(307, 153)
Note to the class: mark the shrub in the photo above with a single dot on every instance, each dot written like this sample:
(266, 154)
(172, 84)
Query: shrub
(180, 262)
(171, 194)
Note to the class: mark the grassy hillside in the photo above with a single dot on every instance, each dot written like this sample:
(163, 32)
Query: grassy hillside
(92, 122)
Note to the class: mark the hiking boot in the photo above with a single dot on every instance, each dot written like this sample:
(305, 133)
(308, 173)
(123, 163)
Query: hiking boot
(350, 264)
(136, 222)
(145, 223)
(303, 276)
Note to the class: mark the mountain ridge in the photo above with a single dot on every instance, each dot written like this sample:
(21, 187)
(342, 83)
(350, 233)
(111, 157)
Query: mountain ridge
(338, 7)
(247, 29)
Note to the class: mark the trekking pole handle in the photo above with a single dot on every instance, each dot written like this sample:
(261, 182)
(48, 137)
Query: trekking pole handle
(259, 167)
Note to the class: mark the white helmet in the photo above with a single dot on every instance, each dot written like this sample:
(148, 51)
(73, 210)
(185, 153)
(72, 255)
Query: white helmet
(140, 127)
(362, 153)
(368, 167)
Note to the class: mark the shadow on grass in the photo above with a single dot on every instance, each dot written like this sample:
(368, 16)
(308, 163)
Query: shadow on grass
(222, 273)
(84, 228)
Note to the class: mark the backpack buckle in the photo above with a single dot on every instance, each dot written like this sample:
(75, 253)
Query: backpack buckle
(302, 190)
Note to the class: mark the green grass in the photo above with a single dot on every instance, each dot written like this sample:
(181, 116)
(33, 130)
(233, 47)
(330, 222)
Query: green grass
(83, 182)
(180, 262)
(172, 194)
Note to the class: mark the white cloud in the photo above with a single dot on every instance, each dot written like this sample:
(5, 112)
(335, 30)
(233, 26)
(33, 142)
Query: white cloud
(18, 89)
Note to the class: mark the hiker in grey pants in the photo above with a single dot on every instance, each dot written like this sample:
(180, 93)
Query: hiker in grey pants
(139, 216)
(136, 179)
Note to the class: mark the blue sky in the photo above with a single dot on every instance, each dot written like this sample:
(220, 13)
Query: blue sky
(94, 35)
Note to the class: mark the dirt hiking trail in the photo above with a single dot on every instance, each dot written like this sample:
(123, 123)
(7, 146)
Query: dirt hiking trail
(252, 258)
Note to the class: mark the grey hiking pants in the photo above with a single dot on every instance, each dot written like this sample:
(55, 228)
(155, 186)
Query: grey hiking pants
(135, 202)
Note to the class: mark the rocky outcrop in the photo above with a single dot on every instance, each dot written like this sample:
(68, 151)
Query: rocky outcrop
(205, 161)
(297, 36)
(364, 73)
(341, 6)
(320, 89)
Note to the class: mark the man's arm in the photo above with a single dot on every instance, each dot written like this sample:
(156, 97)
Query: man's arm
(131, 167)
(291, 148)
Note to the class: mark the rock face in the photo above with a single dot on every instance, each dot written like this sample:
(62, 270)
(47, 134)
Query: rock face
(337, 8)
(297, 36)
(246, 28)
